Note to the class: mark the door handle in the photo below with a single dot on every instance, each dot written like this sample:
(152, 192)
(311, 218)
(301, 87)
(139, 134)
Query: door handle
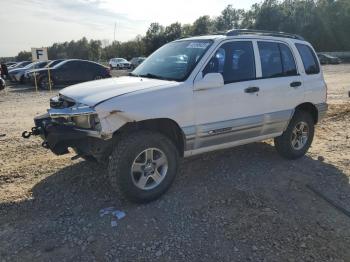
(295, 84)
(253, 89)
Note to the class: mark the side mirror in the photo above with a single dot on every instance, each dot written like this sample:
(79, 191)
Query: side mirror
(209, 81)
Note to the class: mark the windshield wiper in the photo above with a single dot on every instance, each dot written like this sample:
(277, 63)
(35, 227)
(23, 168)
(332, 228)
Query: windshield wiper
(131, 74)
(149, 75)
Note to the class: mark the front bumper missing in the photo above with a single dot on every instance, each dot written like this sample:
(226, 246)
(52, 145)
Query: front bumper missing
(58, 138)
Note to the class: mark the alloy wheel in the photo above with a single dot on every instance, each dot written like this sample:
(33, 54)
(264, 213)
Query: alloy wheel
(300, 135)
(149, 168)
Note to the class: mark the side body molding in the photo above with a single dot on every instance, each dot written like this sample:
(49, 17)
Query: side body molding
(213, 136)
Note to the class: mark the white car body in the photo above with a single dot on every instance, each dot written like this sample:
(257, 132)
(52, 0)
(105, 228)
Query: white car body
(209, 117)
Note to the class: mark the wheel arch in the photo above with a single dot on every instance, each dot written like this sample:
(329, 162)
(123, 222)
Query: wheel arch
(310, 108)
(165, 126)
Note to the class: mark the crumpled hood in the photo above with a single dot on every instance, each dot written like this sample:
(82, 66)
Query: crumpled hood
(94, 92)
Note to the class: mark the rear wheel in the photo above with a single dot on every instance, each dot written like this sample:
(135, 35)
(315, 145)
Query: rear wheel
(143, 165)
(98, 77)
(22, 80)
(44, 83)
(297, 139)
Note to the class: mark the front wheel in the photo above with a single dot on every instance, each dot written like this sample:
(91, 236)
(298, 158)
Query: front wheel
(297, 139)
(143, 165)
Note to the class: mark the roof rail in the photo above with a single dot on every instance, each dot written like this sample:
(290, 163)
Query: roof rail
(236, 32)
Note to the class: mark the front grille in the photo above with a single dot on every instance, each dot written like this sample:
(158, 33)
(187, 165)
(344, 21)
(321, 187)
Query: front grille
(59, 102)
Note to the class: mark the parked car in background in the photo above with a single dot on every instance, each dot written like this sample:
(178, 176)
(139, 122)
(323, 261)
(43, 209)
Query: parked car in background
(19, 74)
(2, 84)
(8, 64)
(119, 63)
(49, 64)
(20, 64)
(68, 72)
(328, 59)
(136, 61)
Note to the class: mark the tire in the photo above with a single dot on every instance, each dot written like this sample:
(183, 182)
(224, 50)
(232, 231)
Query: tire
(22, 81)
(98, 77)
(288, 145)
(43, 83)
(131, 152)
(86, 158)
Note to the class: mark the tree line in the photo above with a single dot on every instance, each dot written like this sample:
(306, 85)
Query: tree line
(324, 23)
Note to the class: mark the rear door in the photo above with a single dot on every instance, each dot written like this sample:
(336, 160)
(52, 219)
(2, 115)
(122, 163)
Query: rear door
(281, 84)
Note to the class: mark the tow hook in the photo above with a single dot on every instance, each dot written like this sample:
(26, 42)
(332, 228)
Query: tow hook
(35, 132)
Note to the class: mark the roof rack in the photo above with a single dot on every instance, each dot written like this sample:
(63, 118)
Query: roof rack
(236, 32)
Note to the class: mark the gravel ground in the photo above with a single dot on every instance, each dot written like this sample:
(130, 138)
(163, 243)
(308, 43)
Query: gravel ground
(241, 204)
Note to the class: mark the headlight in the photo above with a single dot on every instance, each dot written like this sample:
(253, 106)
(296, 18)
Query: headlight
(81, 116)
(87, 122)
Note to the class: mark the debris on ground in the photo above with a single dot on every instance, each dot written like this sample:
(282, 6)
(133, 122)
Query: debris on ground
(116, 214)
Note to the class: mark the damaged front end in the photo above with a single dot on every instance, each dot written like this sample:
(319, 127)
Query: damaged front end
(68, 124)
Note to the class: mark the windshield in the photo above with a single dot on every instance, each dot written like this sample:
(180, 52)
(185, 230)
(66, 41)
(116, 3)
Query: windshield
(21, 64)
(174, 61)
(35, 65)
(29, 66)
(53, 63)
(59, 64)
(40, 64)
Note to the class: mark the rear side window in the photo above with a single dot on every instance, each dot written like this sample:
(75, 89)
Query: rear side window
(276, 60)
(309, 59)
(235, 61)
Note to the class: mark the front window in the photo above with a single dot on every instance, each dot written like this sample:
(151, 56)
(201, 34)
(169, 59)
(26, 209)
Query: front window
(235, 61)
(174, 61)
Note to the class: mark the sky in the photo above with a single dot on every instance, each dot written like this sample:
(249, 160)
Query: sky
(38, 23)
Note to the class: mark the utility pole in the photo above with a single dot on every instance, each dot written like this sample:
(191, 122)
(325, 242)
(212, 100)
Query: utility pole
(115, 27)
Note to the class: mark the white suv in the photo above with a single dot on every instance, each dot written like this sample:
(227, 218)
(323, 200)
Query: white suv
(119, 63)
(191, 96)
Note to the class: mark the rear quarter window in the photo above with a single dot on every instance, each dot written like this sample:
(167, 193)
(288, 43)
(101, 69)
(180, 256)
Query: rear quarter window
(309, 59)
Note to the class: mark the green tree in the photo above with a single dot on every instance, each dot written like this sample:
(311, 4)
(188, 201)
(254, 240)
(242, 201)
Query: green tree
(95, 50)
(173, 32)
(202, 26)
(24, 56)
(230, 18)
(154, 38)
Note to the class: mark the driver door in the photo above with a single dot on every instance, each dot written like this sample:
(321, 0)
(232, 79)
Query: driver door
(232, 112)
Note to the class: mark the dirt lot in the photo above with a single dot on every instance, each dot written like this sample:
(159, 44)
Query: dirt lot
(241, 204)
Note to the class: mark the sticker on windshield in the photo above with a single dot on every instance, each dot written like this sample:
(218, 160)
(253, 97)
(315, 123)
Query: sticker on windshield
(199, 45)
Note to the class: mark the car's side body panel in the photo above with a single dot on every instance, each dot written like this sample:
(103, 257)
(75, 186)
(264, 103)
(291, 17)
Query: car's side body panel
(218, 118)
(209, 119)
(168, 100)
